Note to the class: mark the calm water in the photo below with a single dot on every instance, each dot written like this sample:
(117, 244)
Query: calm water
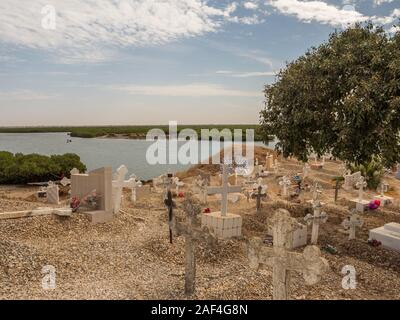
(95, 153)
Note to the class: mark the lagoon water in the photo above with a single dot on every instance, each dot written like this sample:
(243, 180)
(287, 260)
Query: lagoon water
(95, 153)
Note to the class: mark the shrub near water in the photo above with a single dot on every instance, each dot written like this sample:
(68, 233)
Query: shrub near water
(21, 169)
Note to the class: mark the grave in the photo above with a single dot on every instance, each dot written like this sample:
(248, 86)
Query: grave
(318, 165)
(285, 184)
(309, 263)
(385, 200)
(193, 234)
(99, 180)
(118, 184)
(53, 193)
(316, 218)
(350, 180)
(306, 170)
(361, 204)
(388, 235)
(134, 185)
(351, 222)
(223, 224)
(200, 188)
(269, 162)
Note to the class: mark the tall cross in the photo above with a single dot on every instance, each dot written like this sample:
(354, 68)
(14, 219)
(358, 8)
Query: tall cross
(285, 183)
(351, 222)
(309, 263)
(193, 234)
(316, 190)
(361, 184)
(170, 204)
(118, 184)
(261, 190)
(224, 190)
(317, 218)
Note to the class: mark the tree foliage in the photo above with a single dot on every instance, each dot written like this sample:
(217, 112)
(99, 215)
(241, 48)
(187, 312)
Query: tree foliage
(341, 97)
(21, 169)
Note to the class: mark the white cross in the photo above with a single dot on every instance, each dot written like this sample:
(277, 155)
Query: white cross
(351, 222)
(285, 183)
(133, 184)
(309, 263)
(317, 218)
(224, 190)
(316, 190)
(178, 184)
(361, 184)
(118, 184)
(383, 188)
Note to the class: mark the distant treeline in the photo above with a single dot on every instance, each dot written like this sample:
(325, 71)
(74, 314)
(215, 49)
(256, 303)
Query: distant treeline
(133, 132)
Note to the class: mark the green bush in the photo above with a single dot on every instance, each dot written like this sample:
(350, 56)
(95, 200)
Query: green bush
(21, 169)
(373, 172)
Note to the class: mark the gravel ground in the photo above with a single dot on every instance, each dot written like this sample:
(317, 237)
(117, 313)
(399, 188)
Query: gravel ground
(131, 257)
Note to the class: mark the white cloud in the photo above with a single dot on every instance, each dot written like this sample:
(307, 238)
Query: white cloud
(318, 11)
(250, 5)
(379, 2)
(84, 27)
(24, 95)
(186, 90)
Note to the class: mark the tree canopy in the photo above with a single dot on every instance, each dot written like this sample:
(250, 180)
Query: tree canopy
(340, 98)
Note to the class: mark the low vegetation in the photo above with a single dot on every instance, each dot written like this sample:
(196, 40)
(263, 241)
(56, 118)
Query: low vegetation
(20, 169)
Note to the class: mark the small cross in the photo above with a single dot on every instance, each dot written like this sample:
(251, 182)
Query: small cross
(261, 193)
(133, 184)
(118, 184)
(306, 170)
(316, 219)
(361, 184)
(309, 263)
(383, 188)
(351, 222)
(224, 190)
(193, 234)
(178, 184)
(285, 183)
(200, 186)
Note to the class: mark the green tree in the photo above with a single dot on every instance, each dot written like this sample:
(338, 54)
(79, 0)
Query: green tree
(341, 97)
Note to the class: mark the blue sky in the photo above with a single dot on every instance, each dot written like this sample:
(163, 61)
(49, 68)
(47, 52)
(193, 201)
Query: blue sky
(151, 61)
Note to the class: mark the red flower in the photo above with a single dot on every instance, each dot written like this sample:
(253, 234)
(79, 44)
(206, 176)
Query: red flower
(207, 210)
(181, 195)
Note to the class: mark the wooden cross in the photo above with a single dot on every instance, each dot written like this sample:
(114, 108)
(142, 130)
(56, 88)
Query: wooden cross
(118, 184)
(316, 219)
(170, 204)
(351, 222)
(224, 190)
(261, 193)
(309, 263)
(285, 183)
(193, 234)
(361, 184)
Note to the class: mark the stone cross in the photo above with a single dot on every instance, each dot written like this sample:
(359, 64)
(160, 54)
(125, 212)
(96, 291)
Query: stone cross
(224, 190)
(317, 218)
(383, 187)
(118, 184)
(133, 184)
(351, 222)
(193, 234)
(309, 263)
(285, 184)
(361, 184)
(316, 190)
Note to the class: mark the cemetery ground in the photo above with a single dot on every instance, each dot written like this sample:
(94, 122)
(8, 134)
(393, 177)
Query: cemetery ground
(131, 257)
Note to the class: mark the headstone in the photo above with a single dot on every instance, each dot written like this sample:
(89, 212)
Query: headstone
(309, 263)
(285, 184)
(65, 181)
(52, 192)
(269, 162)
(385, 200)
(315, 219)
(350, 224)
(99, 180)
(388, 235)
(193, 235)
(361, 204)
(118, 185)
(351, 179)
(222, 223)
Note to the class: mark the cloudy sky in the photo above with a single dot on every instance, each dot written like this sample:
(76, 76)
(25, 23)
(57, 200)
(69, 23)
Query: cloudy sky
(151, 61)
